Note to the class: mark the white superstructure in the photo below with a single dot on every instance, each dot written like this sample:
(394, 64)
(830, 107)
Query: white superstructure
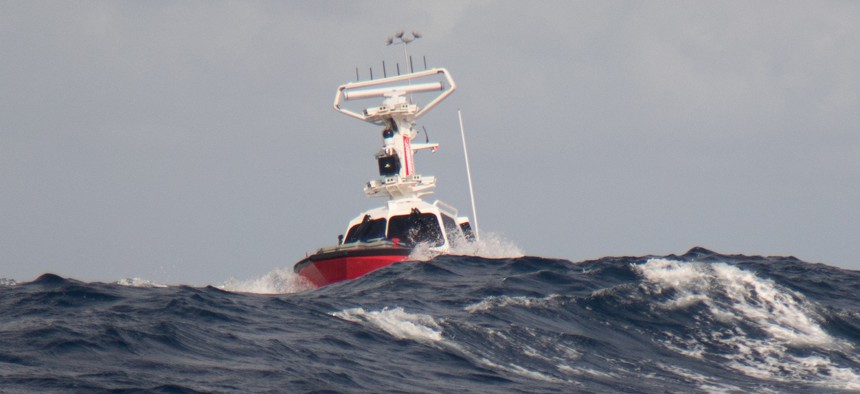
(405, 217)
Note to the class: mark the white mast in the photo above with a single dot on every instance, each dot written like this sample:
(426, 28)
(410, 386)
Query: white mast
(469, 176)
(397, 115)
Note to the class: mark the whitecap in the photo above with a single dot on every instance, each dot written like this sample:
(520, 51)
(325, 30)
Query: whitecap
(524, 372)
(278, 281)
(490, 246)
(138, 282)
(734, 295)
(786, 315)
(397, 323)
(493, 302)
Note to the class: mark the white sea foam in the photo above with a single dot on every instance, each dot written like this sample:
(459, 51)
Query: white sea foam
(7, 282)
(138, 282)
(425, 329)
(735, 295)
(579, 371)
(518, 370)
(785, 314)
(493, 302)
(529, 344)
(397, 323)
(491, 246)
(279, 281)
(706, 383)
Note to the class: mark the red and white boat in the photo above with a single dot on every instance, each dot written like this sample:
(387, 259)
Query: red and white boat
(386, 235)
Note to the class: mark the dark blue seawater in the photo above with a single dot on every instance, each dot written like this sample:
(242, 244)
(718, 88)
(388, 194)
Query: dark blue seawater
(699, 322)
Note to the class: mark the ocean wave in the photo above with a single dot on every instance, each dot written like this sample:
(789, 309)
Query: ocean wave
(701, 322)
(493, 302)
(396, 322)
(760, 328)
(491, 246)
(138, 282)
(278, 281)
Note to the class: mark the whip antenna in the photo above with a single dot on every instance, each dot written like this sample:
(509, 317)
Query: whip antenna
(469, 175)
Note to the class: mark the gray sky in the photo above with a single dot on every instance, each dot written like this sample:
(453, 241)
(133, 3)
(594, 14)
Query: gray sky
(192, 142)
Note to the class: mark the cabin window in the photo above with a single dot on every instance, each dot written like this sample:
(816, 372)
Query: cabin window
(451, 228)
(367, 230)
(467, 231)
(415, 228)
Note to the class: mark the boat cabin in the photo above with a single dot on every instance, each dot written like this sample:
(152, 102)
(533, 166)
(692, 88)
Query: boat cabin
(408, 223)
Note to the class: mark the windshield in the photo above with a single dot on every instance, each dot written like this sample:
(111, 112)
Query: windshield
(415, 228)
(451, 228)
(367, 230)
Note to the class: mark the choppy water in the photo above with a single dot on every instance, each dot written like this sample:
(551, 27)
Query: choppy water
(700, 322)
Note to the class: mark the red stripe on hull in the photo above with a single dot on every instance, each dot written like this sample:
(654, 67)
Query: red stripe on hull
(407, 155)
(325, 272)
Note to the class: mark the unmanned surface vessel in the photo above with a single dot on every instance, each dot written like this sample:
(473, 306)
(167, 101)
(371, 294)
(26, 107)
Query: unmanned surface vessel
(386, 235)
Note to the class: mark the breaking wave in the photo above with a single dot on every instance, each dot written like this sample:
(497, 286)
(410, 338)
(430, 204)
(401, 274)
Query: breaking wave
(279, 281)
(473, 322)
(490, 246)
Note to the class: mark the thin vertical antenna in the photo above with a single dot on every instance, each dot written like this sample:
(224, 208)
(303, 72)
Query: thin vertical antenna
(425, 62)
(371, 73)
(405, 55)
(398, 68)
(384, 73)
(468, 175)
(411, 69)
(356, 75)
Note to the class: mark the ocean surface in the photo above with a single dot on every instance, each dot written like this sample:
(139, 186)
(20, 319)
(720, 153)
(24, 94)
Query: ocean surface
(697, 322)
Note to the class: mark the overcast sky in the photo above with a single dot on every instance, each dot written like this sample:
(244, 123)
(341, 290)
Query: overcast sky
(194, 142)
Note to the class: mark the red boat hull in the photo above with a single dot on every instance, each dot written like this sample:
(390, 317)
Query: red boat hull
(326, 268)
